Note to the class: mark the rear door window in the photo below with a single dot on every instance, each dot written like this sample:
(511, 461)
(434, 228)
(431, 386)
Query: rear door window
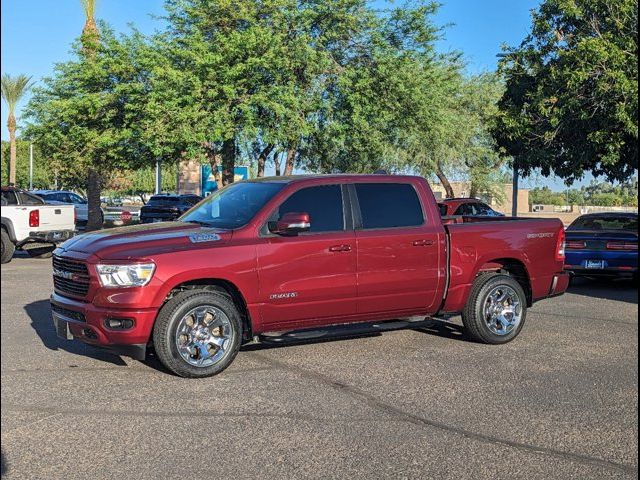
(322, 203)
(30, 199)
(9, 198)
(389, 205)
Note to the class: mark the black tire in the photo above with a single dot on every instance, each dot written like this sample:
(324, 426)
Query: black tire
(473, 315)
(165, 331)
(41, 252)
(7, 247)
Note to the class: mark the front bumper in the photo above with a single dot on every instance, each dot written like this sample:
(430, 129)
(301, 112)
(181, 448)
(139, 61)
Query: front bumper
(77, 320)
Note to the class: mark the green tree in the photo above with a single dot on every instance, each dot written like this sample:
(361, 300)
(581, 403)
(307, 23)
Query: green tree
(81, 120)
(571, 98)
(13, 89)
(43, 176)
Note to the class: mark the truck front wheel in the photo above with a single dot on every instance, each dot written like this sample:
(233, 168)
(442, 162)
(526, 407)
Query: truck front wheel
(7, 247)
(496, 309)
(197, 333)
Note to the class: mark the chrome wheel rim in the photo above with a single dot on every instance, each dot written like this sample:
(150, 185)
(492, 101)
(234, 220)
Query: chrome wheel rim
(204, 336)
(502, 310)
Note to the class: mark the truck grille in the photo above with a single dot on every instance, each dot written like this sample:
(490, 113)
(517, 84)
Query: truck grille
(70, 277)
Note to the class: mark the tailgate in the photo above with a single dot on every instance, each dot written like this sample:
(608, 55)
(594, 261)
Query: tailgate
(55, 217)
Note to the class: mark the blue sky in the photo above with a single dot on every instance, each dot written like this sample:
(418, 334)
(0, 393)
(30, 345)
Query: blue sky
(36, 34)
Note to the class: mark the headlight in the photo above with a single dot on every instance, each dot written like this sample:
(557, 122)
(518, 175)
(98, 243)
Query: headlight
(136, 275)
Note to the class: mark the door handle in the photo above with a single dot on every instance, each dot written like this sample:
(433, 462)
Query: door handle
(340, 248)
(422, 243)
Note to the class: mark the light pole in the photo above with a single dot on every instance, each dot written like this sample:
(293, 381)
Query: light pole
(158, 178)
(31, 166)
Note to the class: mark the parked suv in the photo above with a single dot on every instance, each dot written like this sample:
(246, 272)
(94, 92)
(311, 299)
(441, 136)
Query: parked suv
(166, 207)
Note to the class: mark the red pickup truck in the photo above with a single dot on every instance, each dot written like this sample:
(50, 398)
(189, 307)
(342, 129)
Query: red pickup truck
(285, 253)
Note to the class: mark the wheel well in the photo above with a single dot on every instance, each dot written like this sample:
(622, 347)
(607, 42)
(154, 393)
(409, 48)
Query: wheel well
(513, 267)
(222, 286)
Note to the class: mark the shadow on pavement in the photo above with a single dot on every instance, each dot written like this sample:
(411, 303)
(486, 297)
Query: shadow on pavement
(337, 333)
(621, 290)
(3, 464)
(40, 314)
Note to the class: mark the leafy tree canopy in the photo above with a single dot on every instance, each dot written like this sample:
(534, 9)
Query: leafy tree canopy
(571, 98)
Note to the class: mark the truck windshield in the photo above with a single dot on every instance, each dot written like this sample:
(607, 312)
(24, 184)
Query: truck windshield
(233, 206)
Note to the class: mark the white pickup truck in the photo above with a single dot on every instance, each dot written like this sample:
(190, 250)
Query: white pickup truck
(30, 225)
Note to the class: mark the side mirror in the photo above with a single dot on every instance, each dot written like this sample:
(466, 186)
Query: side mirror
(292, 223)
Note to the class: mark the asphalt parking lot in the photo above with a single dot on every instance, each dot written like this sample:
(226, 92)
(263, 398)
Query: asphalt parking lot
(375, 401)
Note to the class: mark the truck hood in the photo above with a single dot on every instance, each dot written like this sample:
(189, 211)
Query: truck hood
(137, 242)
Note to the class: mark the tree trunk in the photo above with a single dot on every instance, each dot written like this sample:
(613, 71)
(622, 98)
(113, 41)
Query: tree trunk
(444, 181)
(214, 162)
(291, 156)
(11, 124)
(228, 161)
(262, 158)
(94, 189)
(277, 161)
(473, 190)
(514, 197)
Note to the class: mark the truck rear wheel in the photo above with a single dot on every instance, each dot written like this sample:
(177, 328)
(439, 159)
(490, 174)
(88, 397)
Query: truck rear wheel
(198, 333)
(496, 309)
(7, 247)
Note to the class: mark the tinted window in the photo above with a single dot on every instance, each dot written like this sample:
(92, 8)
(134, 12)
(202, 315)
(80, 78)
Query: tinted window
(29, 199)
(387, 205)
(465, 209)
(191, 199)
(323, 204)
(77, 199)
(233, 206)
(164, 200)
(628, 223)
(9, 198)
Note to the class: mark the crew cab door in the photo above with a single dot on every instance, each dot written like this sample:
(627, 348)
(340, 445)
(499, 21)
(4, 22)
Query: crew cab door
(400, 251)
(310, 276)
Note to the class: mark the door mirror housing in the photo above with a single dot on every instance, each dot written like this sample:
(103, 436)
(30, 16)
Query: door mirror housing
(292, 223)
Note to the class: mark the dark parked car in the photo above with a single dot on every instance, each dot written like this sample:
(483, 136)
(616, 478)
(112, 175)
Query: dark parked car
(603, 244)
(165, 208)
(469, 207)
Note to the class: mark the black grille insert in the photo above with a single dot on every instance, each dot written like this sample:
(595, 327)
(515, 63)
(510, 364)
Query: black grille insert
(68, 313)
(70, 277)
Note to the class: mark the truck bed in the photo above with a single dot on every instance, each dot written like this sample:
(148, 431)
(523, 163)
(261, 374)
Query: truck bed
(477, 244)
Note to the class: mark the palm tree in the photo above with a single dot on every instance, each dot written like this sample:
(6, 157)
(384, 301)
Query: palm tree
(90, 32)
(89, 39)
(13, 89)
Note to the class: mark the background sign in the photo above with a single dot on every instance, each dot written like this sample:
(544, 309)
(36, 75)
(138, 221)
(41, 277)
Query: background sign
(208, 182)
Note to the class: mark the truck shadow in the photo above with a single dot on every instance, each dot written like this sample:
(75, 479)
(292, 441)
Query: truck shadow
(40, 314)
(335, 333)
(4, 468)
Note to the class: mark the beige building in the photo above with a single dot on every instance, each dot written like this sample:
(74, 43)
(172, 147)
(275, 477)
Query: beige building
(462, 189)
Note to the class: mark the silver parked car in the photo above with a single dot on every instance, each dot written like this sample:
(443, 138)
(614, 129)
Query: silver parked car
(66, 197)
